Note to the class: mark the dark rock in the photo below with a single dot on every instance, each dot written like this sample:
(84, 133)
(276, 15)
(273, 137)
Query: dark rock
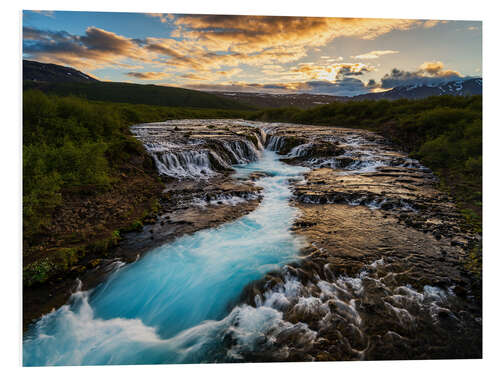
(460, 291)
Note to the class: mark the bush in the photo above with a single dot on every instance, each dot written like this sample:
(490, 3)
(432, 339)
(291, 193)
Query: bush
(66, 143)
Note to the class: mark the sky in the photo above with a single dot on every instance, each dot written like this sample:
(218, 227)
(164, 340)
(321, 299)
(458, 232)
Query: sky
(334, 56)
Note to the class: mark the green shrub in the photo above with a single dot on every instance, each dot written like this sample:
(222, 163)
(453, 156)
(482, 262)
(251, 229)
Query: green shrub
(37, 272)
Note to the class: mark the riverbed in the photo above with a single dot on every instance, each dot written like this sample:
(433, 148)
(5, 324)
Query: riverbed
(352, 253)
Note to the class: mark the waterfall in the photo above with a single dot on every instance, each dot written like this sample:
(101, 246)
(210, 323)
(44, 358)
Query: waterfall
(262, 138)
(173, 161)
(185, 163)
(275, 142)
(241, 151)
(180, 151)
(300, 150)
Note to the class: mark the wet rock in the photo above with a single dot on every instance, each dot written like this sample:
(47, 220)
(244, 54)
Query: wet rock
(383, 269)
(460, 291)
(304, 224)
(257, 175)
(323, 149)
(344, 162)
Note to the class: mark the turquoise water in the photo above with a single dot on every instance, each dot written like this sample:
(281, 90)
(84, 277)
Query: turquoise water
(174, 304)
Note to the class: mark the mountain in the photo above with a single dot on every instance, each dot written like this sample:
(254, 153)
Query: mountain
(269, 100)
(459, 87)
(35, 71)
(65, 81)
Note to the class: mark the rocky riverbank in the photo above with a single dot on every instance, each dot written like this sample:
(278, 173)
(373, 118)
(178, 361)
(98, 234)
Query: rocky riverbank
(91, 236)
(383, 275)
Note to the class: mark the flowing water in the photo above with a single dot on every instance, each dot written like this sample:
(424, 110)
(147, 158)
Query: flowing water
(182, 302)
(177, 303)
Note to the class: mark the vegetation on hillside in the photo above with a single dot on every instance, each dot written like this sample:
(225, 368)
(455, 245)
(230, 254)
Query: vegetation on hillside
(121, 92)
(443, 132)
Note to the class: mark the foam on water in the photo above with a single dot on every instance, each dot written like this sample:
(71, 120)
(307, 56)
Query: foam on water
(172, 305)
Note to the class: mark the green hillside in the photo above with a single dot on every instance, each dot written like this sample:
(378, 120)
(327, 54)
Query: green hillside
(119, 92)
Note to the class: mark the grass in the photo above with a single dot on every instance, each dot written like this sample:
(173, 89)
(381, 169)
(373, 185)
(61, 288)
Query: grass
(131, 93)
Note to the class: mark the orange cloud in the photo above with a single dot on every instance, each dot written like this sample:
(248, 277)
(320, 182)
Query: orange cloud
(431, 72)
(260, 40)
(211, 43)
(196, 77)
(229, 73)
(432, 67)
(253, 34)
(435, 68)
(330, 72)
(148, 75)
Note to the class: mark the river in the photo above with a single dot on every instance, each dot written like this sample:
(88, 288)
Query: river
(175, 304)
(365, 263)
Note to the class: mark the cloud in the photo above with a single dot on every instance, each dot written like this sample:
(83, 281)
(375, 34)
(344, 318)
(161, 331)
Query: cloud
(357, 69)
(211, 76)
(430, 23)
(99, 48)
(315, 78)
(429, 73)
(374, 54)
(436, 68)
(96, 48)
(215, 47)
(148, 75)
(329, 72)
(332, 59)
(345, 87)
(260, 40)
(163, 17)
(432, 67)
(345, 80)
(251, 33)
(195, 77)
(229, 73)
(47, 13)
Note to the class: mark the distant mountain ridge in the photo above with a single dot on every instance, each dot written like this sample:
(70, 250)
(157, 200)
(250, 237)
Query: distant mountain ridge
(65, 81)
(269, 100)
(41, 72)
(459, 87)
